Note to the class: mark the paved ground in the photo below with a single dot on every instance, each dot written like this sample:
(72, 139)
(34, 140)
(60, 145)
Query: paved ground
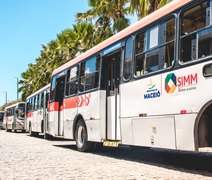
(25, 157)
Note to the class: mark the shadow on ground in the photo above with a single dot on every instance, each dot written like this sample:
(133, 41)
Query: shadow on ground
(183, 161)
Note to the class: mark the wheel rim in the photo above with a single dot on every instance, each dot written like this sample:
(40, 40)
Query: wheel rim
(81, 136)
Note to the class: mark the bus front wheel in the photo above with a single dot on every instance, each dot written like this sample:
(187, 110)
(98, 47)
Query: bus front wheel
(81, 137)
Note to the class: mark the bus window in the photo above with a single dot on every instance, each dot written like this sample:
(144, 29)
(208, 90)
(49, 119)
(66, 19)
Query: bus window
(41, 99)
(140, 43)
(28, 106)
(92, 73)
(205, 43)
(139, 66)
(33, 103)
(1, 116)
(21, 110)
(38, 101)
(89, 74)
(160, 49)
(192, 21)
(47, 100)
(152, 61)
(82, 77)
(128, 58)
(13, 111)
(72, 80)
(153, 37)
(53, 89)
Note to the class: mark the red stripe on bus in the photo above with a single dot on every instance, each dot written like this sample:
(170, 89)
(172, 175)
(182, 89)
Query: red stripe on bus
(70, 103)
(29, 114)
(73, 102)
(54, 106)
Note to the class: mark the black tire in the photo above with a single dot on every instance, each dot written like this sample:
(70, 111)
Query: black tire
(32, 133)
(81, 138)
(8, 130)
(30, 130)
(48, 137)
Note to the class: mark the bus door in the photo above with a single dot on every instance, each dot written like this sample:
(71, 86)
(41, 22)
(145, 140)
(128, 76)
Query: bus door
(111, 81)
(45, 111)
(15, 116)
(59, 96)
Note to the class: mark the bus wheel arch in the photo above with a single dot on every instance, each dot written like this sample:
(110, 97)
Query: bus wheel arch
(81, 136)
(202, 126)
(76, 119)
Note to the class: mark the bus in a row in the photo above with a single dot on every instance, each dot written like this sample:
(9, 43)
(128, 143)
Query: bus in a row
(148, 85)
(36, 111)
(14, 117)
(1, 119)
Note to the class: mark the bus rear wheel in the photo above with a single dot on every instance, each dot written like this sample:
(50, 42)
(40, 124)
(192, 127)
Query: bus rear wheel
(32, 133)
(8, 130)
(81, 137)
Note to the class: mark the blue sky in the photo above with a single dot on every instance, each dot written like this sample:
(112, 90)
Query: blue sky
(24, 26)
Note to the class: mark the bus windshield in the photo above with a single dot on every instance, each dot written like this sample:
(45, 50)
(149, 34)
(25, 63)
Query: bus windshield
(21, 110)
(1, 117)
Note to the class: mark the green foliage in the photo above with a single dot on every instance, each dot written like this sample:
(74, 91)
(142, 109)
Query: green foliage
(145, 7)
(101, 21)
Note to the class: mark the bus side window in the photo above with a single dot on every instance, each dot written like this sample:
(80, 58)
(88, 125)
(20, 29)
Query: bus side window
(89, 74)
(205, 43)
(47, 99)
(53, 89)
(155, 48)
(128, 59)
(72, 80)
(92, 73)
(82, 77)
(33, 103)
(28, 106)
(38, 101)
(42, 99)
(140, 56)
(192, 20)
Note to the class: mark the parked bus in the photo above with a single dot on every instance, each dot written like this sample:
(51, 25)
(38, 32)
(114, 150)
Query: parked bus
(1, 119)
(14, 117)
(148, 85)
(36, 111)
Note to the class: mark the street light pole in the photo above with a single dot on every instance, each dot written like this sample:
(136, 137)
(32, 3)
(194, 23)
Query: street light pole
(17, 87)
(5, 97)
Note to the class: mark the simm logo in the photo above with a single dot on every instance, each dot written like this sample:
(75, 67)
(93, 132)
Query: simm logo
(184, 83)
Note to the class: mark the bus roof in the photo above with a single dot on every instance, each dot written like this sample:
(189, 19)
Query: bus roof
(170, 7)
(13, 105)
(40, 90)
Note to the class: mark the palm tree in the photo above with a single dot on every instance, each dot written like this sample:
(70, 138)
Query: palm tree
(68, 44)
(145, 7)
(81, 38)
(109, 15)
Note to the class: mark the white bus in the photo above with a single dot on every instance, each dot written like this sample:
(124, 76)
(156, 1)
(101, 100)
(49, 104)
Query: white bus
(148, 85)
(14, 117)
(1, 119)
(36, 111)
